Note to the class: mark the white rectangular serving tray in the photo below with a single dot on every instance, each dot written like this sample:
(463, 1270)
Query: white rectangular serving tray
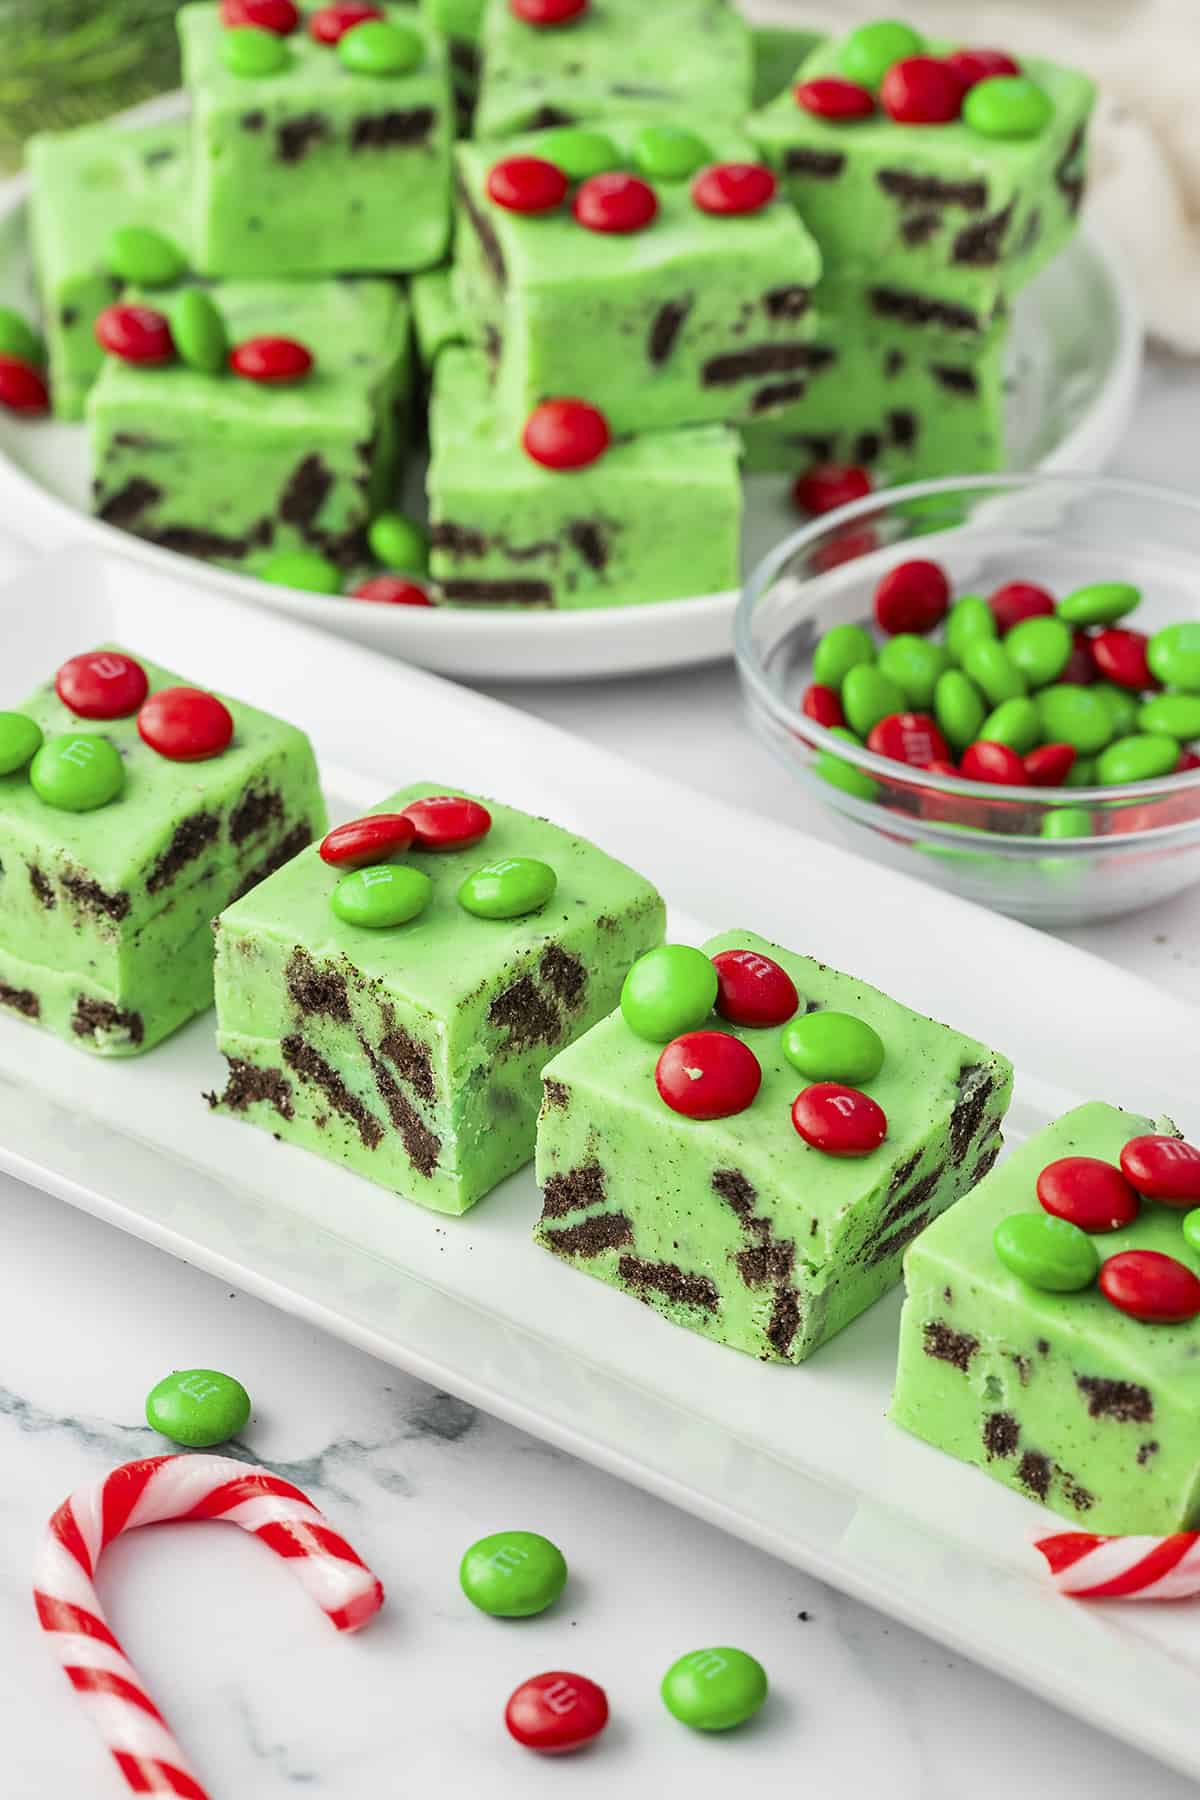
(799, 1461)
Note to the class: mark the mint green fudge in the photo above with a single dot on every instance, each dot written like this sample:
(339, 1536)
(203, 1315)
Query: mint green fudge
(84, 186)
(412, 1054)
(317, 169)
(617, 57)
(237, 471)
(695, 319)
(655, 518)
(737, 1228)
(436, 320)
(938, 221)
(460, 22)
(105, 915)
(1058, 1395)
(778, 51)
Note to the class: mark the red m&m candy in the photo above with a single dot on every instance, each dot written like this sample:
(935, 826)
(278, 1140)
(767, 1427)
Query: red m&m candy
(1120, 656)
(557, 1711)
(22, 387)
(185, 724)
(828, 485)
(391, 590)
(911, 738)
(708, 1075)
(615, 202)
(565, 434)
(839, 1120)
(979, 65)
(101, 684)
(831, 97)
(1163, 1168)
(526, 184)
(996, 763)
(1081, 665)
(329, 24)
(733, 188)
(547, 12)
(1087, 1192)
(912, 597)
(753, 990)
(271, 359)
(1150, 1286)
(279, 16)
(922, 90)
(448, 822)
(136, 334)
(1018, 600)
(822, 704)
(371, 840)
(1049, 765)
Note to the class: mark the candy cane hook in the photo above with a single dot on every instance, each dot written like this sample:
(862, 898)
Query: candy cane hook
(147, 1493)
(1124, 1568)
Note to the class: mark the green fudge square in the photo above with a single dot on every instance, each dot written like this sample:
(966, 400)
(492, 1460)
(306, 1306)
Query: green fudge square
(736, 1228)
(696, 319)
(932, 218)
(437, 322)
(316, 169)
(618, 57)
(1060, 1396)
(460, 22)
(84, 185)
(236, 471)
(105, 916)
(655, 518)
(778, 52)
(412, 1055)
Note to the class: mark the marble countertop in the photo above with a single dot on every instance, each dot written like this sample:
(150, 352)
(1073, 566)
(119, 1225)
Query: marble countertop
(269, 1702)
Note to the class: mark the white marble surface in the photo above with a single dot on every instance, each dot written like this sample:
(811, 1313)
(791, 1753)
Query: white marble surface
(269, 1702)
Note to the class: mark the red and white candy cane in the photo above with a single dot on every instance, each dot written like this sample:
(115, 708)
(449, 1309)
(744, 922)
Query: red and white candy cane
(148, 1493)
(1124, 1568)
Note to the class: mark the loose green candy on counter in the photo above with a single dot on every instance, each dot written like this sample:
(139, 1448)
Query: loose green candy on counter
(959, 708)
(198, 331)
(579, 153)
(1075, 715)
(714, 1690)
(1122, 706)
(198, 1407)
(844, 775)
(77, 772)
(1007, 106)
(1100, 603)
(379, 48)
(513, 1574)
(398, 542)
(668, 152)
(842, 648)
(508, 889)
(248, 51)
(914, 664)
(306, 569)
(18, 338)
(1141, 757)
(991, 668)
(1176, 714)
(1041, 649)
(868, 696)
(969, 621)
(20, 740)
(1016, 723)
(382, 895)
(139, 254)
(1047, 1252)
(1174, 656)
(1067, 822)
(669, 991)
(1082, 773)
(833, 1046)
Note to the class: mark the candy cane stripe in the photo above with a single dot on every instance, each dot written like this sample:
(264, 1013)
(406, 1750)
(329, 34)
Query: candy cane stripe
(1124, 1568)
(301, 1540)
(104, 1681)
(65, 1527)
(156, 1778)
(121, 1493)
(251, 1486)
(59, 1615)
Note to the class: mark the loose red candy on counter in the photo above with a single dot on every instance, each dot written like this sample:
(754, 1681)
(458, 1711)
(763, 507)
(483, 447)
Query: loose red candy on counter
(1049, 765)
(391, 590)
(922, 90)
(911, 738)
(708, 1075)
(753, 990)
(840, 1120)
(22, 387)
(828, 485)
(557, 1711)
(279, 16)
(1081, 667)
(526, 184)
(101, 684)
(1150, 1286)
(371, 840)
(448, 822)
(1120, 655)
(615, 202)
(822, 704)
(330, 24)
(547, 12)
(565, 434)
(271, 359)
(912, 597)
(980, 65)
(997, 763)
(733, 188)
(137, 334)
(831, 97)
(1087, 1192)
(185, 724)
(1018, 600)
(1163, 1168)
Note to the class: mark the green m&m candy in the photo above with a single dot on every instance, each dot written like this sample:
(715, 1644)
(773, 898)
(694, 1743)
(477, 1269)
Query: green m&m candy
(18, 338)
(1176, 714)
(1174, 656)
(833, 1046)
(302, 569)
(1100, 603)
(1191, 1228)
(668, 152)
(250, 52)
(1082, 772)
(139, 254)
(844, 775)
(1041, 649)
(1067, 822)
(579, 153)
(869, 51)
(969, 621)
(1007, 106)
(914, 664)
(382, 895)
(1141, 757)
(398, 542)
(198, 1407)
(714, 1690)
(76, 772)
(992, 669)
(198, 331)
(513, 1574)
(1076, 716)
(958, 708)
(377, 48)
(1046, 1252)
(842, 648)
(1122, 706)
(868, 696)
(508, 889)
(1016, 723)
(669, 991)
(20, 738)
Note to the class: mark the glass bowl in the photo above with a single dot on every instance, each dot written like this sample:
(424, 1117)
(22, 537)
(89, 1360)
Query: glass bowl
(988, 843)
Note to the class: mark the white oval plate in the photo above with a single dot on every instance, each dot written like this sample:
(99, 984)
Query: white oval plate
(1075, 360)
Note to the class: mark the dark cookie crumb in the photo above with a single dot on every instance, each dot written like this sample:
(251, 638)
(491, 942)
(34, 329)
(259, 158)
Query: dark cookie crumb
(1146, 1451)
(784, 1321)
(579, 1187)
(294, 137)
(1023, 1366)
(258, 807)
(665, 327)
(734, 1188)
(93, 898)
(311, 1066)
(918, 228)
(42, 888)
(22, 1000)
(190, 837)
(317, 990)
(305, 492)
(947, 1345)
(975, 1089)
(1074, 1493)
(669, 1280)
(422, 1146)
(556, 1096)
(919, 1194)
(1043, 1347)
(409, 1057)
(787, 302)
(954, 380)
(766, 1264)
(912, 189)
(498, 593)
(899, 1240)
(1001, 1434)
(921, 309)
(564, 973)
(525, 1016)
(127, 505)
(401, 125)
(1124, 1401)
(591, 1237)
(93, 1016)
(981, 245)
(247, 1084)
(485, 231)
(590, 539)
(985, 1165)
(288, 846)
(822, 165)
(1034, 1472)
(760, 359)
(776, 394)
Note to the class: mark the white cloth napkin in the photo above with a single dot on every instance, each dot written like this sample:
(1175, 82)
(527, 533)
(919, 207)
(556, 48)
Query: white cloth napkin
(1145, 169)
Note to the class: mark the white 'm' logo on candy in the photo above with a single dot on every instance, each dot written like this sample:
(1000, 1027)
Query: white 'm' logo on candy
(507, 1558)
(842, 1103)
(107, 667)
(376, 877)
(561, 1697)
(80, 751)
(707, 1663)
(199, 1387)
(1173, 1151)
